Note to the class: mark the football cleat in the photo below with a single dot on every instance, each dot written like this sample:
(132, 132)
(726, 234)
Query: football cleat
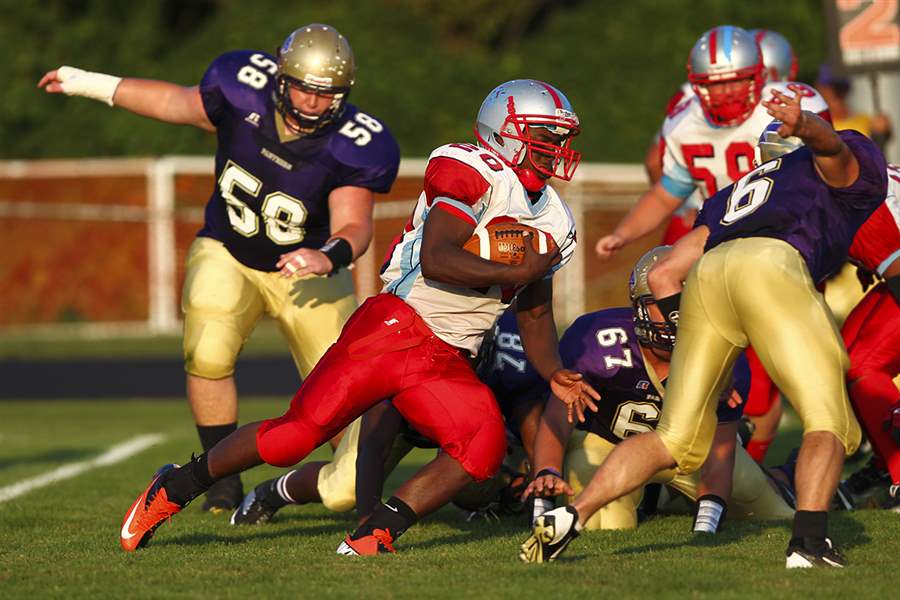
(801, 556)
(379, 541)
(224, 495)
(551, 533)
(869, 487)
(259, 505)
(151, 509)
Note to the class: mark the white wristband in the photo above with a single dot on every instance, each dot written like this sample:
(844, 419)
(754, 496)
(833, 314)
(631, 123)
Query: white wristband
(99, 86)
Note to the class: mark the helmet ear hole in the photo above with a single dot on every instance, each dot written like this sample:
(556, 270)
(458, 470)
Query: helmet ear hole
(498, 139)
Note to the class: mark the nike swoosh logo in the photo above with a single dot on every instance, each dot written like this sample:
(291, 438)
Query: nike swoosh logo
(391, 507)
(126, 534)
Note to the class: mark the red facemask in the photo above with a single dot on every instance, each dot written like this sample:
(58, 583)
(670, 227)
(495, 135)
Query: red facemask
(729, 109)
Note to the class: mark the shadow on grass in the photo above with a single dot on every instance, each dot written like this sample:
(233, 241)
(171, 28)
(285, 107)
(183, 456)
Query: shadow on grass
(843, 527)
(56, 455)
(253, 534)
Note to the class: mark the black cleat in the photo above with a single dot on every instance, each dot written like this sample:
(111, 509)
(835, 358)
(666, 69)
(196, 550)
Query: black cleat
(259, 505)
(804, 554)
(869, 487)
(551, 533)
(225, 494)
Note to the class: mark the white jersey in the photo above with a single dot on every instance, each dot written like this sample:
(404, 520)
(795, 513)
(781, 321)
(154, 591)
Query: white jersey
(474, 185)
(699, 156)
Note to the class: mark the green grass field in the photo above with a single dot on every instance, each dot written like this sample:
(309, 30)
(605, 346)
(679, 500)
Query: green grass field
(61, 540)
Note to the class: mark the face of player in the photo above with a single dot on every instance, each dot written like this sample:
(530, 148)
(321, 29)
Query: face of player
(311, 104)
(540, 161)
(730, 99)
(657, 317)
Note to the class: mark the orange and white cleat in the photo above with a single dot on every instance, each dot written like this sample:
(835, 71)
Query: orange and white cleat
(151, 509)
(379, 541)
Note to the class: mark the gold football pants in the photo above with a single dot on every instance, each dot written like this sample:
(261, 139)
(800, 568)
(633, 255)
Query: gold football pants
(753, 291)
(222, 300)
(752, 497)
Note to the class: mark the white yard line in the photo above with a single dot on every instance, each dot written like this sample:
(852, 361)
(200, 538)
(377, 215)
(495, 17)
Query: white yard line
(116, 454)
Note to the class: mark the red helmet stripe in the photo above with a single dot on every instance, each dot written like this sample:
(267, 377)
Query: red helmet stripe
(760, 34)
(553, 94)
(713, 49)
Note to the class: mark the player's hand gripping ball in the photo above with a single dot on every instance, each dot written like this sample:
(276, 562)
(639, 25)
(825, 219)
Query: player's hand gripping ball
(505, 242)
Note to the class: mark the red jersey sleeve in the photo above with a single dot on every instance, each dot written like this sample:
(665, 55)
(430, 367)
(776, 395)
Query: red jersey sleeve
(450, 178)
(877, 240)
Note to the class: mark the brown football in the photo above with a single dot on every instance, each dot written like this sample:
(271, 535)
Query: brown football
(504, 242)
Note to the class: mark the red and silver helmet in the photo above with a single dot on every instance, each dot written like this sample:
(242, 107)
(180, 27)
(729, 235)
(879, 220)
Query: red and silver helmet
(778, 56)
(721, 55)
(504, 124)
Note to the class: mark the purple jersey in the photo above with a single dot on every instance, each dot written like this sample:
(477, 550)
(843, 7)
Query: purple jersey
(785, 199)
(272, 197)
(604, 348)
(506, 370)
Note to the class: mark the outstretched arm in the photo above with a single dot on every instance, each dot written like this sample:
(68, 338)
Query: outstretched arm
(652, 208)
(160, 100)
(835, 163)
(537, 329)
(549, 452)
(667, 276)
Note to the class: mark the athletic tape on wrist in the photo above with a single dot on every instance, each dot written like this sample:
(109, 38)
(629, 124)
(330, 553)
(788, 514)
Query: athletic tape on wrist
(97, 86)
(339, 252)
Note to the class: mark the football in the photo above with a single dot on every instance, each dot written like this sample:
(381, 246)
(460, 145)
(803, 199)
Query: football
(504, 242)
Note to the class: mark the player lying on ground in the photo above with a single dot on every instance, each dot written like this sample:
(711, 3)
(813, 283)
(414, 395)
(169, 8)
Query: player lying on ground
(751, 264)
(624, 354)
(375, 443)
(296, 169)
(413, 343)
(872, 336)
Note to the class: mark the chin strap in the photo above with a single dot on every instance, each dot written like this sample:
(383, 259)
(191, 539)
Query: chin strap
(530, 180)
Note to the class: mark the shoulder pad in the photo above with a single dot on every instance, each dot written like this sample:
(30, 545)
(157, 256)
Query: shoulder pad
(486, 163)
(361, 140)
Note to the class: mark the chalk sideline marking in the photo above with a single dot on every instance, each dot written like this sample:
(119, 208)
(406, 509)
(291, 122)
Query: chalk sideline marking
(116, 454)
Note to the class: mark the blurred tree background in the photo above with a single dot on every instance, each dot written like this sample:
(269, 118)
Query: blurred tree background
(424, 65)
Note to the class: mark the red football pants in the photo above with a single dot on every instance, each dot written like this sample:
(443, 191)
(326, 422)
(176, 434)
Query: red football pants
(763, 392)
(387, 351)
(872, 336)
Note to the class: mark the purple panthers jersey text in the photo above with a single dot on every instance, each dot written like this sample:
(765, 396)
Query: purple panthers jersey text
(785, 199)
(272, 197)
(602, 346)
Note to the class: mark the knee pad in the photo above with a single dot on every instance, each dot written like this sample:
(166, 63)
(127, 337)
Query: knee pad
(283, 442)
(211, 349)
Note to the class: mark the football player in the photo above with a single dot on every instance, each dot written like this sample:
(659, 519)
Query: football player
(414, 342)
(780, 64)
(624, 353)
(872, 336)
(296, 170)
(374, 444)
(707, 142)
(751, 264)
